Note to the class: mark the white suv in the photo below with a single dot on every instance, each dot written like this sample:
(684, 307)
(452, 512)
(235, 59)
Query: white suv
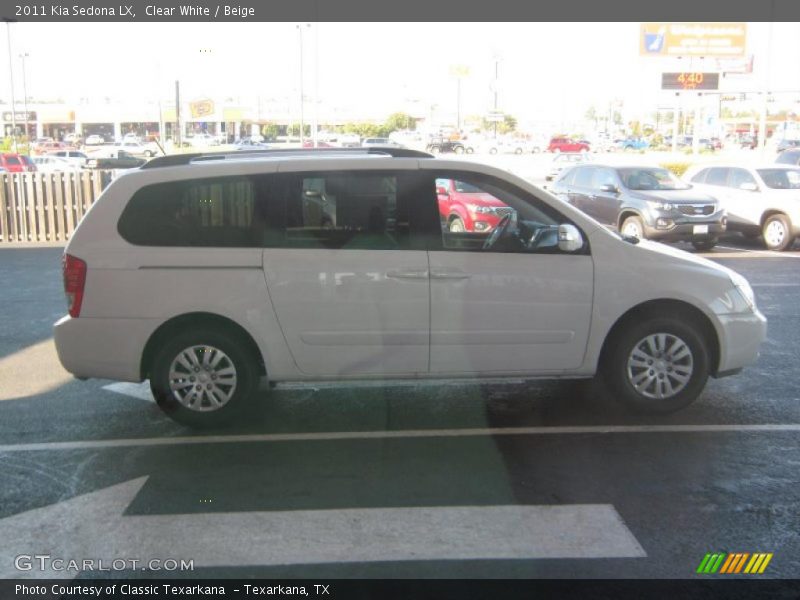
(760, 201)
(206, 273)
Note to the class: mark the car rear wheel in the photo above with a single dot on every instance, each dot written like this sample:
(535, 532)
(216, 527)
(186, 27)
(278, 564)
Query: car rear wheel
(203, 377)
(704, 245)
(633, 227)
(456, 225)
(657, 365)
(469, 150)
(492, 150)
(459, 150)
(777, 232)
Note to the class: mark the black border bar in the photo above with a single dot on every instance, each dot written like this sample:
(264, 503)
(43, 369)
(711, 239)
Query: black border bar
(403, 10)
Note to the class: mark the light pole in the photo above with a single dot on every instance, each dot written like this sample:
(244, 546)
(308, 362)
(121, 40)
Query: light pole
(23, 56)
(302, 96)
(11, 77)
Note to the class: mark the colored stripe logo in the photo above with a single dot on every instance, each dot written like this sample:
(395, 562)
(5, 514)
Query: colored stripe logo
(734, 562)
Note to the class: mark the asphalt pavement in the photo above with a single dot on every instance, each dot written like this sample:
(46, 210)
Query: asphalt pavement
(520, 479)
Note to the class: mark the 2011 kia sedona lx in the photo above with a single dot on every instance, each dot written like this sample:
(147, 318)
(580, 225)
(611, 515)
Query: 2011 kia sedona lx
(205, 273)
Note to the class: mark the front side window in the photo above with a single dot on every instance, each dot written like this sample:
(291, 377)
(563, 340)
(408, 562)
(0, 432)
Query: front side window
(603, 177)
(737, 177)
(717, 176)
(495, 216)
(651, 179)
(700, 176)
(583, 177)
(216, 212)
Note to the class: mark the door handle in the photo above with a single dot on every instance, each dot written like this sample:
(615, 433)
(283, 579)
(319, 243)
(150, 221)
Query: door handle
(449, 274)
(407, 274)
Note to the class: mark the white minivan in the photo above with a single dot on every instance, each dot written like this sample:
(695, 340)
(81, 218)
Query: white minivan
(207, 273)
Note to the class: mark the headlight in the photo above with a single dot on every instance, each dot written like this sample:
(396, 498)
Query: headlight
(658, 205)
(744, 289)
(481, 210)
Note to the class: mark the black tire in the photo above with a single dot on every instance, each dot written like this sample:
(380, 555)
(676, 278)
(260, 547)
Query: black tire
(435, 149)
(704, 245)
(459, 149)
(236, 354)
(492, 150)
(518, 151)
(617, 373)
(470, 150)
(772, 240)
(634, 222)
(148, 153)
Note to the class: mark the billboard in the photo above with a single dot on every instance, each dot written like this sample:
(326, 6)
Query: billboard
(716, 40)
(690, 81)
(201, 108)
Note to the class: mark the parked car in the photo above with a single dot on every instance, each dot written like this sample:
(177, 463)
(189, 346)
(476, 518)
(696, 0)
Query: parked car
(73, 139)
(564, 161)
(548, 293)
(55, 164)
(374, 142)
(789, 157)
(748, 142)
(563, 144)
(349, 140)
(200, 140)
(134, 149)
(94, 140)
(48, 147)
(643, 202)
(320, 144)
(480, 145)
(520, 146)
(633, 143)
(464, 207)
(761, 201)
(441, 145)
(122, 160)
(786, 144)
(16, 163)
(78, 158)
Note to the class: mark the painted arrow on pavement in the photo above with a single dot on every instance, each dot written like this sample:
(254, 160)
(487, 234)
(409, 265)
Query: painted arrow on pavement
(93, 526)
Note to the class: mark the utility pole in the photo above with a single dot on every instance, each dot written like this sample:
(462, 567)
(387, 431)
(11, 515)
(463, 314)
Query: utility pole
(11, 76)
(178, 113)
(25, 99)
(302, 90)
(496, 71)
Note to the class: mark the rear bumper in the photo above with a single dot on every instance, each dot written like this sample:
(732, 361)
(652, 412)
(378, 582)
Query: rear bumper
(102, 348)
(742, 336)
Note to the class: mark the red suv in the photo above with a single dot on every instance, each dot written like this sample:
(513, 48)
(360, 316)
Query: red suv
(464, 207)
(16, 163)
(562, 144)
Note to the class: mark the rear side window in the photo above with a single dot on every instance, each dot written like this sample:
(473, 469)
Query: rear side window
(568, 177)
(206, 212)
(340, 211)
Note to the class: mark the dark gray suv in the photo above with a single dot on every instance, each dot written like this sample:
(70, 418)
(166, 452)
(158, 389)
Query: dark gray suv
(643, 202)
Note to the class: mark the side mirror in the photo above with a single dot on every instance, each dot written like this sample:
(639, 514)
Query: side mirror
(749, 186)
(569, 238)
(609, 188)
(441, 191)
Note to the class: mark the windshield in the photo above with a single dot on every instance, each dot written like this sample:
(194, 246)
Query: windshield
(781, 179)
(467, 188)
(651, 179)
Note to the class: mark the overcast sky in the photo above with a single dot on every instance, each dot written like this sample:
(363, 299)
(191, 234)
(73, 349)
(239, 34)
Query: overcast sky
(546, 71)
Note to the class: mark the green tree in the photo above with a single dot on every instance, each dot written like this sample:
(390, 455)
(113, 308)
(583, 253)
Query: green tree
(400, 121)
(270, 130)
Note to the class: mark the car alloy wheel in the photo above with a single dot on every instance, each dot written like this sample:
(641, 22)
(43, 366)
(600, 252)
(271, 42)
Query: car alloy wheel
(202, 378)
(457, 226)
(660, 366)
(776, 233)
(632, 227)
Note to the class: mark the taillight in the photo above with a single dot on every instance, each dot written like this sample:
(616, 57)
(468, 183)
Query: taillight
(74, 282)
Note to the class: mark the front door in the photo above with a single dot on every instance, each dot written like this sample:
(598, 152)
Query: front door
(519, 306)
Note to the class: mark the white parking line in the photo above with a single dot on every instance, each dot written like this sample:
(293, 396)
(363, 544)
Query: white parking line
(401, 434)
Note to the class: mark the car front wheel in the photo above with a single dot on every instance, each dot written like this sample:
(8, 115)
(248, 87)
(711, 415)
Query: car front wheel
(657, 365)
(777, 233)
(457, 225)
(633, 227)
(203, 377)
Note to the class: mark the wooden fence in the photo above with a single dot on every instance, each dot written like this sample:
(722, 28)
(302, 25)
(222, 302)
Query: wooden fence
(46, 207)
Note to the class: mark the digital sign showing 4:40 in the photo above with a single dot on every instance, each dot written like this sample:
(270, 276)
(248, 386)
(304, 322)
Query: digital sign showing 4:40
(690, 81)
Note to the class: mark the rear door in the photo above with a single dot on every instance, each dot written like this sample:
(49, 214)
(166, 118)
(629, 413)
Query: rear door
(345, 275)
(604, 206)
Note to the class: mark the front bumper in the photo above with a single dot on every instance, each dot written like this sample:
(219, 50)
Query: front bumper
(683, 227)
(741, 336)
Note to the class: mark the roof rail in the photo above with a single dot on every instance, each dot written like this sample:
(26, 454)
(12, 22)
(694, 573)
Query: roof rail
(174, 160)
